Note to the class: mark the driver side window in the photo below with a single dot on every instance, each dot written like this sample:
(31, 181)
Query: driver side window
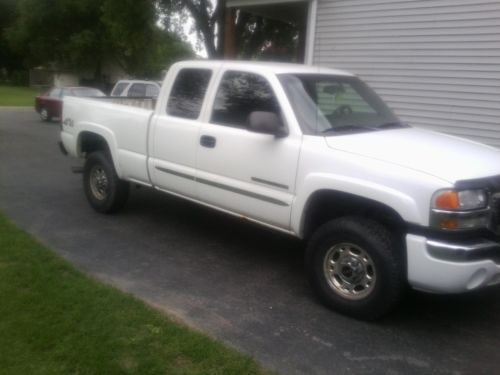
(240, 94)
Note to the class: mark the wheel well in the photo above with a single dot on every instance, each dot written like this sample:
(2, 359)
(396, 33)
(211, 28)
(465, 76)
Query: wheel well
(90, 142)
(325, 205)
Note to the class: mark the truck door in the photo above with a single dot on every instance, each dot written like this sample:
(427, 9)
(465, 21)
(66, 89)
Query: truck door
(247, 173)
(175, 132)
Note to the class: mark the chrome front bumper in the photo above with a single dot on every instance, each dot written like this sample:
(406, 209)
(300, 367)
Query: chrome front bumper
(465, 251)
(452, 267)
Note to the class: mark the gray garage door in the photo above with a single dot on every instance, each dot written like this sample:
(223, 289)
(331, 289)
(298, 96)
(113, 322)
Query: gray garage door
(436, 62)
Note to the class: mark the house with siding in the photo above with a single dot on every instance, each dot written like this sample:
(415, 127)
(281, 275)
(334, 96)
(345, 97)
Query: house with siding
(435, 62)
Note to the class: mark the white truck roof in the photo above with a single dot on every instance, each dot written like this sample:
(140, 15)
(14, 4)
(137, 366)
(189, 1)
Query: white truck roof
(269, 67)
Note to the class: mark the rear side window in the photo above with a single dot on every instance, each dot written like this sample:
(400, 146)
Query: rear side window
(119, 89)
(188, 92)
(240, 94)
(137, 90)
(152, 90)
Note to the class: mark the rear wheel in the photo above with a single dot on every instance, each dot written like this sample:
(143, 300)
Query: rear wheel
(355, 267)
(105, 192)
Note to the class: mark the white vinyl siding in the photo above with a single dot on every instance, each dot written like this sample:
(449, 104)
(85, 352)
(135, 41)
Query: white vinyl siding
(436, 62)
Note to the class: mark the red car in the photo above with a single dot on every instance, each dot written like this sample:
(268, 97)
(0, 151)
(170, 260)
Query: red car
(49, 104)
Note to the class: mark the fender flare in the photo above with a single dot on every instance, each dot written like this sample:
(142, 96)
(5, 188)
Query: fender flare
(103, 132)
(404, 205)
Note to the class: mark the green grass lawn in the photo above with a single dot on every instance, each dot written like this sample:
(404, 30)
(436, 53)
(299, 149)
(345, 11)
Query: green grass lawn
(14, 96)
(55, 320)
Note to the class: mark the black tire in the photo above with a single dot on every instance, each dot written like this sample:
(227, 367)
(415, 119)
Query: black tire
(347, 249)
(105, 192)
(45, 115)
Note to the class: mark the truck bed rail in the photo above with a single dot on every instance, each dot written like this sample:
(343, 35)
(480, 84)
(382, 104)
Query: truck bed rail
(146, 102)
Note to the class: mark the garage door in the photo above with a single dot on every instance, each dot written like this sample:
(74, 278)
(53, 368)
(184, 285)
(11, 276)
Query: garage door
(437, 63)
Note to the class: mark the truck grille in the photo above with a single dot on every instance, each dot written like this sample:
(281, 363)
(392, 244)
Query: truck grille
(495, 213)
(492, 184)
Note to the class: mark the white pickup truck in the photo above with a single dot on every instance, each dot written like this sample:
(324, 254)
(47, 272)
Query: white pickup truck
(314, 153)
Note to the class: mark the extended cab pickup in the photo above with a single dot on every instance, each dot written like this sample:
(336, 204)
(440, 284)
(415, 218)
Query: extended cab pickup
(314, 153)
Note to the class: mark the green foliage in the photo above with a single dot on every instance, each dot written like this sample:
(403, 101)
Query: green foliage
(86, 34)
(19, 77)
(54, 320)
(163, 52)
(208, 17)
(10, 61)
(257, 37)
(141, 47)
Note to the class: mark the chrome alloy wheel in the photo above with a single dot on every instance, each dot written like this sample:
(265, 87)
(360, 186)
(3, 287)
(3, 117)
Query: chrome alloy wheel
(99, 182)
(349, 270)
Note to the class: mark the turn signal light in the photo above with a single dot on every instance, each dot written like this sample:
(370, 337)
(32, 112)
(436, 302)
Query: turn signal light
(461, 200)
(449, 224)
(447, 200)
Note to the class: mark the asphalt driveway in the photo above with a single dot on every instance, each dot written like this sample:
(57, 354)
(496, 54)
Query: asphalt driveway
(238, 282)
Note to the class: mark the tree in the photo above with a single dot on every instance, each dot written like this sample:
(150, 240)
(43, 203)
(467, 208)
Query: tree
(10, 61)
(140, 45)
(256, 36)
(86, 34)
(208, 19)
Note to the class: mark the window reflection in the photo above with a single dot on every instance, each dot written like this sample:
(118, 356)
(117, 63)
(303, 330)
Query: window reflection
(188, 92)
(240, 94)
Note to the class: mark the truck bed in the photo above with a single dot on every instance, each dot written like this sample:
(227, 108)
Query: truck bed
(128, 145)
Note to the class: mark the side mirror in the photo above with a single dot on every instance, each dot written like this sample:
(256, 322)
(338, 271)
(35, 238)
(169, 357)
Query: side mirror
(267, 123)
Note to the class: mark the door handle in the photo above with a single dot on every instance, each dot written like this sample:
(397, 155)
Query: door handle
(208, 141)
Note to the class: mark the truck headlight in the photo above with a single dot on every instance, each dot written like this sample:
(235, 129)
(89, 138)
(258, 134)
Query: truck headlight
(460, 200)
(459, 210)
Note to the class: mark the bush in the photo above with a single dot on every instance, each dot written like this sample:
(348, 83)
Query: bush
(20, 78)
(15, 78)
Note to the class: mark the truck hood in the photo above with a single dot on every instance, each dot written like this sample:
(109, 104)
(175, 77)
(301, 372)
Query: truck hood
(446, 157)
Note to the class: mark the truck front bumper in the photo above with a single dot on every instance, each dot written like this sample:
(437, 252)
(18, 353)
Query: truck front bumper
(452, 267)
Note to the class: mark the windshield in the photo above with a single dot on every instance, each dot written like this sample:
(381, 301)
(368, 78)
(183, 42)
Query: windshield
(330, 105)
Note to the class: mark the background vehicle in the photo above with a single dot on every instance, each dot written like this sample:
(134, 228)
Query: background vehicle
(49, 104)
(136, 89)
(314, 153)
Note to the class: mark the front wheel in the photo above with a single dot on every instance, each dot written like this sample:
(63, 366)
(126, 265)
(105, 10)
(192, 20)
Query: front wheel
(355, 267)
(105, 192)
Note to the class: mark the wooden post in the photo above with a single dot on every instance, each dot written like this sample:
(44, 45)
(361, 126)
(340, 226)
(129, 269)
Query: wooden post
(301, 47)
(230, 34)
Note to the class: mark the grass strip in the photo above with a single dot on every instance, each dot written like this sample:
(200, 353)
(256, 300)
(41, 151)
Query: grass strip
(15, 96)
(55, 320)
